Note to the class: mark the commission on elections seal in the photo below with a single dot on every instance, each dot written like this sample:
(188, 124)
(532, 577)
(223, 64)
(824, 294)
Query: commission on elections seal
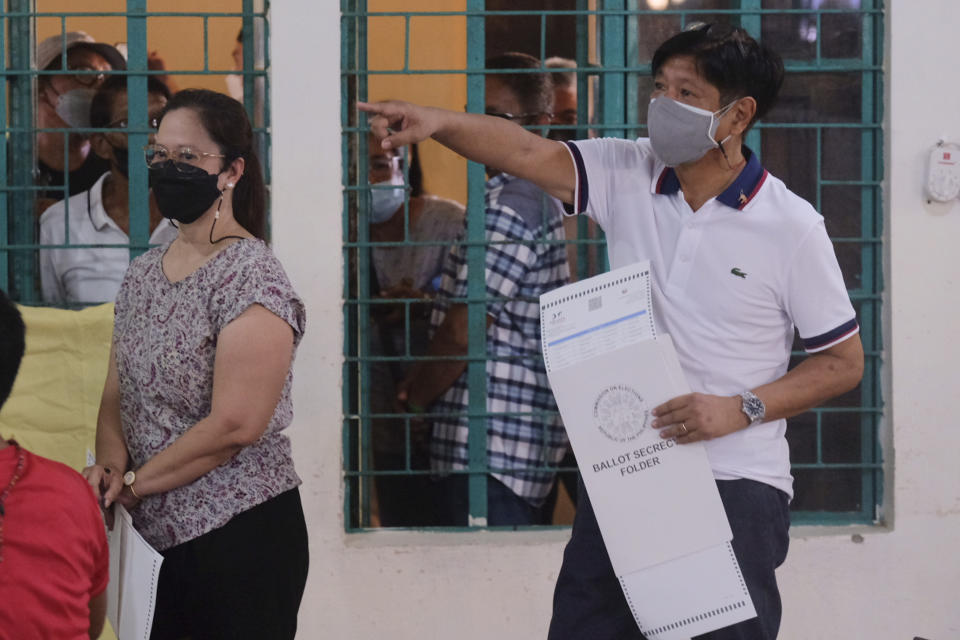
(620, 412)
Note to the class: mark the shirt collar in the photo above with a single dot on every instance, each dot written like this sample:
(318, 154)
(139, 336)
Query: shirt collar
(98, 215)
(737, 196)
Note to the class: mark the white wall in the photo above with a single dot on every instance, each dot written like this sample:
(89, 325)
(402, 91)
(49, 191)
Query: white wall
(902, 580)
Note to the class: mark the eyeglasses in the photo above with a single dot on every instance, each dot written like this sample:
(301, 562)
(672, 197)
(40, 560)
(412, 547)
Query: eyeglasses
(122, 123)
(382, 162)
(511, 116)
(567, 116)
(155, 154)
(87, 79)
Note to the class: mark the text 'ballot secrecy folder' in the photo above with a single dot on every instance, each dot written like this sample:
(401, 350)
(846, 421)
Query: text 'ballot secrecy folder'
(656, 501)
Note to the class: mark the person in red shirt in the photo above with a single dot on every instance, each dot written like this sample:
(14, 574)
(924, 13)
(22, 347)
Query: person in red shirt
(54, 559)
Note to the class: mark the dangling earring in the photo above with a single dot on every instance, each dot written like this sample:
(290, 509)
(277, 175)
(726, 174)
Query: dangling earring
(216, 216)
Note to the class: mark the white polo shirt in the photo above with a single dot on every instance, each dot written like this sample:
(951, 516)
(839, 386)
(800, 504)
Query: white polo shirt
(730, 281)
(86, 274)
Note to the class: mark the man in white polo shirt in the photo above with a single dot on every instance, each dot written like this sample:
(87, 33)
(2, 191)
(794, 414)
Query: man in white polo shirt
(739, 262)
(101, 214)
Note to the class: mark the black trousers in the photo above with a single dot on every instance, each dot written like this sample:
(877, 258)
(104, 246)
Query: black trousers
(243, 580)
(588, 601)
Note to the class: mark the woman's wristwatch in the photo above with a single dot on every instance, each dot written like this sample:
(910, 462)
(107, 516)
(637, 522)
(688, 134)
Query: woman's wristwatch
(128, 479)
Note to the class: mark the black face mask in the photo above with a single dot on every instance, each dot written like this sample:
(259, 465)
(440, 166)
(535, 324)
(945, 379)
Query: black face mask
(122, 156)
(185, 193)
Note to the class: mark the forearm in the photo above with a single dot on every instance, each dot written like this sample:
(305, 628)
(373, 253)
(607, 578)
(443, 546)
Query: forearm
(431, 379)
(497, 143)
(203, 448)
(428, 379)
(820, 377)
(492, 141)
(700, 416)
(111, 448)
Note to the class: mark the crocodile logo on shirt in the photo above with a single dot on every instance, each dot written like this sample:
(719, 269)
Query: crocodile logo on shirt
(740, 274)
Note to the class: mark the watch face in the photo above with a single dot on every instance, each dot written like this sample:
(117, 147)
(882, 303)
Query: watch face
(129, 477)
(753, 407)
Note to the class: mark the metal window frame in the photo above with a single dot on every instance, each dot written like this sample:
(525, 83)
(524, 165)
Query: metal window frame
(617, 25)
(18, 224)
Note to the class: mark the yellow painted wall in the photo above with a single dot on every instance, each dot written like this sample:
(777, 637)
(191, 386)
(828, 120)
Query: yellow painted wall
(178, 41)
(435, 43)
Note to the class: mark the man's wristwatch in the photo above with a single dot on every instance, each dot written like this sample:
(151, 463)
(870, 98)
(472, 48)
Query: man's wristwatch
(128, 479)
(753, 407)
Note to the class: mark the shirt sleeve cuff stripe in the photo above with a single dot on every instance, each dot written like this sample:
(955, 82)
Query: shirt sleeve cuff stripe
(832, 337)
(581, 193)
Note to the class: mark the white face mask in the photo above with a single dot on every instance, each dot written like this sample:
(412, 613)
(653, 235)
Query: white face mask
(680, 133)
(234, 83)
(384, 203)
(73, 107)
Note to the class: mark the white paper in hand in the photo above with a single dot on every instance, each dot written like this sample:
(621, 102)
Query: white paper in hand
(134, 570)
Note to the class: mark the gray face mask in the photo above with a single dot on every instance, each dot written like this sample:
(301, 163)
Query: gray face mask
(73, 107)
(680, 133)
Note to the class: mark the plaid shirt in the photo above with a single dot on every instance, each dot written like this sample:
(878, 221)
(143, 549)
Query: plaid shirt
(520, 215)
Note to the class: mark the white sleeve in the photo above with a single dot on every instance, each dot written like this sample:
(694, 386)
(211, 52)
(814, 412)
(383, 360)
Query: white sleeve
(51, 289)
(599, 164)
(816, 298)
(590, 161)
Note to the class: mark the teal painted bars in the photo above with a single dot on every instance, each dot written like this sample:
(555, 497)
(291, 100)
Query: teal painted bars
(824, 139)
(18, 18)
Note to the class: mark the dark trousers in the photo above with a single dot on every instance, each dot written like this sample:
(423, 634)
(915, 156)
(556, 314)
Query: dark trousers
(588, 601)
(404, 500)
(504, 507)
(569, 479)
(243, 580)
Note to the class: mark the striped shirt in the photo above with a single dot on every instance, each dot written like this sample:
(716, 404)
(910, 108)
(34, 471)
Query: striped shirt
(525, 257)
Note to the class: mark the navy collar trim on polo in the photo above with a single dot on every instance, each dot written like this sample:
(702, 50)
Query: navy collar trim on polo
(738, 195)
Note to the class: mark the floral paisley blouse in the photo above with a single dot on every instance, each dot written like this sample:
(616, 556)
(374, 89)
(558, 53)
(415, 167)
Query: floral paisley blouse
(165, 339)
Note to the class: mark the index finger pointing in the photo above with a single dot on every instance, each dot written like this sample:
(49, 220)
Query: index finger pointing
(370, 107)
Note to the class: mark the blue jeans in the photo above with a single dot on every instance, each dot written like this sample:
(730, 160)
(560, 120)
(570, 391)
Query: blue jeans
(589, 603)
(504, 507)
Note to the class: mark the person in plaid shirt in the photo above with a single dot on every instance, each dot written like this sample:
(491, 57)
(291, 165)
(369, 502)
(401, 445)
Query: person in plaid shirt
(525, 257)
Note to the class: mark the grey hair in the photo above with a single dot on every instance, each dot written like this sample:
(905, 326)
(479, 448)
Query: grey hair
(562, 79)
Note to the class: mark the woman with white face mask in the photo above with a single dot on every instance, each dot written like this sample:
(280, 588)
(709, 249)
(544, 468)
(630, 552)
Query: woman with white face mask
(403, 272)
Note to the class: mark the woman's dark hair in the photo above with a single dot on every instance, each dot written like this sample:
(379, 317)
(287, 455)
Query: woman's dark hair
(731, 60)
(101, 109)
(226, 122)
(12, 344)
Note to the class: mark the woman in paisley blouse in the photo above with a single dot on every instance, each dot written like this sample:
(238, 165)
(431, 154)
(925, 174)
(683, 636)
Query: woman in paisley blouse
(190, 432)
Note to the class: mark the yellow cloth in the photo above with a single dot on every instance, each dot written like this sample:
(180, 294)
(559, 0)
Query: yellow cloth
(52, 410)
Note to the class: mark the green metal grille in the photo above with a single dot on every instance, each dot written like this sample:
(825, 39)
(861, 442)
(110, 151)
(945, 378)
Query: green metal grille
(824, 139)
(19, 245)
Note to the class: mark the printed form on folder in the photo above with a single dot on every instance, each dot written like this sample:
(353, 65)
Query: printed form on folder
(656, 501)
